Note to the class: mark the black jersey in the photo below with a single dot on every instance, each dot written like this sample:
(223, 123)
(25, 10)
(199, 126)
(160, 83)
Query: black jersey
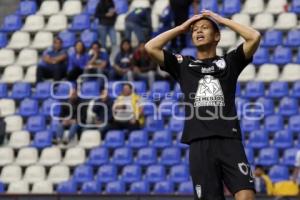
(209, 92)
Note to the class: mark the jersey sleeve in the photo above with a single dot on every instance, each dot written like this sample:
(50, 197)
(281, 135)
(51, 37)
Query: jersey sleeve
(172, 64)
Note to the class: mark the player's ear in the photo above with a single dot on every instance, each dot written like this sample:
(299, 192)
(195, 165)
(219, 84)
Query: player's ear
(217, 36)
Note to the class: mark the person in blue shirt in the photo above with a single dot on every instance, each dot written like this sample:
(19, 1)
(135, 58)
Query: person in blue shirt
(53, 64)
(77, 61)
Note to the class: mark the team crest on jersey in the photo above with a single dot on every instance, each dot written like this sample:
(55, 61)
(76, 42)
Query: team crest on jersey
(179, 58)
(209, 92)
(220, 63)
(198, 191)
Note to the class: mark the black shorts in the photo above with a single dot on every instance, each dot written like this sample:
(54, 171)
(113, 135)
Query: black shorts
(216, 160)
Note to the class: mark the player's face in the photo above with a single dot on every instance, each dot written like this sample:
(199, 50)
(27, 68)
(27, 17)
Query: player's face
(203, 33)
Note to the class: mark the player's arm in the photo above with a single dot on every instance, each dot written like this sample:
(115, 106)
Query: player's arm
(155, 46)
(251, 36)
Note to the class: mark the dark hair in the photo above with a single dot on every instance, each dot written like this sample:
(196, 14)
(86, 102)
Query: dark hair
(83, 46)
(58, 38)
(96, 43)
(212, 22)
(128, 84)
(259, 167)
(122, 43)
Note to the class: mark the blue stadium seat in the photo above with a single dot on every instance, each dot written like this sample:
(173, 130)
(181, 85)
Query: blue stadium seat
(3, 40)
(267, 104)
(282, 55)
(159, 90)
(83, 173)
(21, 90)
(177, 93)
(189, 51)
(153, 124)
(164, 187)
(36, 123)
(170, 156)
(289, 157)
(250, 155)
(1, 187)
(146, 156)
(80, 22)
(209, 5)
(114, 89)
(261, 56)
(131, 173)
(90, 89)
(178, 142)
(231, 7)
(3, 90)
(186, 188)
(162, 139)
(42, 90)
(258, 139)
(166, 108)
(107, 173)
(179, 173)
(115, 187)
(138, 139)
(121, 6)
(149, 107)
(28, 7)
(139, 187)
(283, 139)
(50, 107)
(28, 107)
(11, 23)
(279, 173)
(249, 125)
(91, 6)
(176, 125)
(238, 89)
(66, 187)
(278, 89)
(68, 38)
(122, 156)
(298, 58)
(273, 123)
(114, 139)
(296, 89)
(254, 89)
(295, 6)
(294, 124)
(240, 103)
(293, 38)
(272, 38)
(42, 139)
(88, 37)
(267, 157)
(62, 90)
(91, 187)
(98, 156)
(140, 87)
(155, 173)
(288, 106)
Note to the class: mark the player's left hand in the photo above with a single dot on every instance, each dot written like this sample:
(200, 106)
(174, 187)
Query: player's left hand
(218, 18)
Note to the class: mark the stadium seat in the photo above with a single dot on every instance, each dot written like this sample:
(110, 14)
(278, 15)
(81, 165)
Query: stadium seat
(34, 173)
(72, 7)
(91, 6)
(155, 173)
(18, 187)
(114, 139)
(293, 39)
(286, 21)
(186, 188)
(42, 187)
(42, 90)
(66, 187)
(288, 106)
(283, 139)
(179, 173)
(90, 139)
(74, 156)
(242, 18)
(19, 40)
(248, 74)
(122, 156)
(20, 91)
(254, 89)
(19, 139)
(27, 8)
(282, 55)
(28, 107)
(58, 173)
(164, 187)
(50, 107)
(30, 76)
(209, 5)
(42, 40)
(107, 173)
(267, 104)
(248, 125)
(167, 108)
(90, 89)
(138, 139)
(228, 38)
(34, 23)
(11, 23)
(258, 139)
(253, 7)
(13, 123)
(68, 38)
(279, 173)
(27, 156)
(7, 156)
(83, 173)
(176, 125)
(272, 38)
(291, 72)
(276, 6)
(159, 90)
(98, 156)
(57, 23)
(289, 157)
(42, 139)
(27, 57)
(7, 57)
(91, 187)
(278, 89)
(294, 124)
(273, 123)
(295, 6)
(62, 90)
(131, 173)
(36, 123)
(140, 87)
(121, 6)
(11, 173)
(80, 22)
(149, 107)
(50, 156)
(189, 51)
(249, 154)
(49, 7)
(231, 7)
(1, 187)
(263, 21)
(12, 74)
(261, 56)
(267, 157)
(153, 124)
(3, 40)
(177, 93)
(146, 156)
(115, 187)
(139, 187)
(162, 139)
(7, 107)
(3, 93)
(295, 91)
(88, 37)
(170, 156)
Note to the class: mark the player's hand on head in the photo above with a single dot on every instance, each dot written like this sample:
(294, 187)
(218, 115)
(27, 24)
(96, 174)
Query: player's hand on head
(218, 18)
(185, 26)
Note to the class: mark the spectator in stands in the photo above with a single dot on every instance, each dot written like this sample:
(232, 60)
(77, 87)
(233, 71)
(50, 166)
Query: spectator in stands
(106, 14)
(180, 11)
(143, 66)
(53, 63)
(122, 65)
(263, 183)
(139, 22)
(2, 129)
(77, 61)
(127, 110)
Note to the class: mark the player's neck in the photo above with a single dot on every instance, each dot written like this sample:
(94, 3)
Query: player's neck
(206, 52)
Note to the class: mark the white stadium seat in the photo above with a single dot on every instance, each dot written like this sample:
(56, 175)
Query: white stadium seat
(247, 74)
(139, 4)
(30, 75)
(276, 6)
(6, 155)
(48, 8)
(50, 156)
(291, 72)
(13, 123)
(253, 6)
(120, 22)
(74, 156)
(228, 38)
(286, 21)
(19, 139)
(34, 173)
(34, 23)
(157, 9)
(19, 40)
(19, 187)
(11, 173)
(7, 107)
(219, 51)
(57, 23)
(263, 21)
(242, 18)
(42, 187)
(42, 40)
(72, 7)
(12, 74)
(7, 57)
(268, 73)
(27, 156)
(90, 139)
(27, 57)
(58, 173)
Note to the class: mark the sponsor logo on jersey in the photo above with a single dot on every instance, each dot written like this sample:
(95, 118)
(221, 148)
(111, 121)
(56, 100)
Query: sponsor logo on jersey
(179, 58)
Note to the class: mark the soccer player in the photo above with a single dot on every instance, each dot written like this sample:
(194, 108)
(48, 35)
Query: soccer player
(208, 83)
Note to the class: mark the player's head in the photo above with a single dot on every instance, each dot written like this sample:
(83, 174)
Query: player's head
(205, 32)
